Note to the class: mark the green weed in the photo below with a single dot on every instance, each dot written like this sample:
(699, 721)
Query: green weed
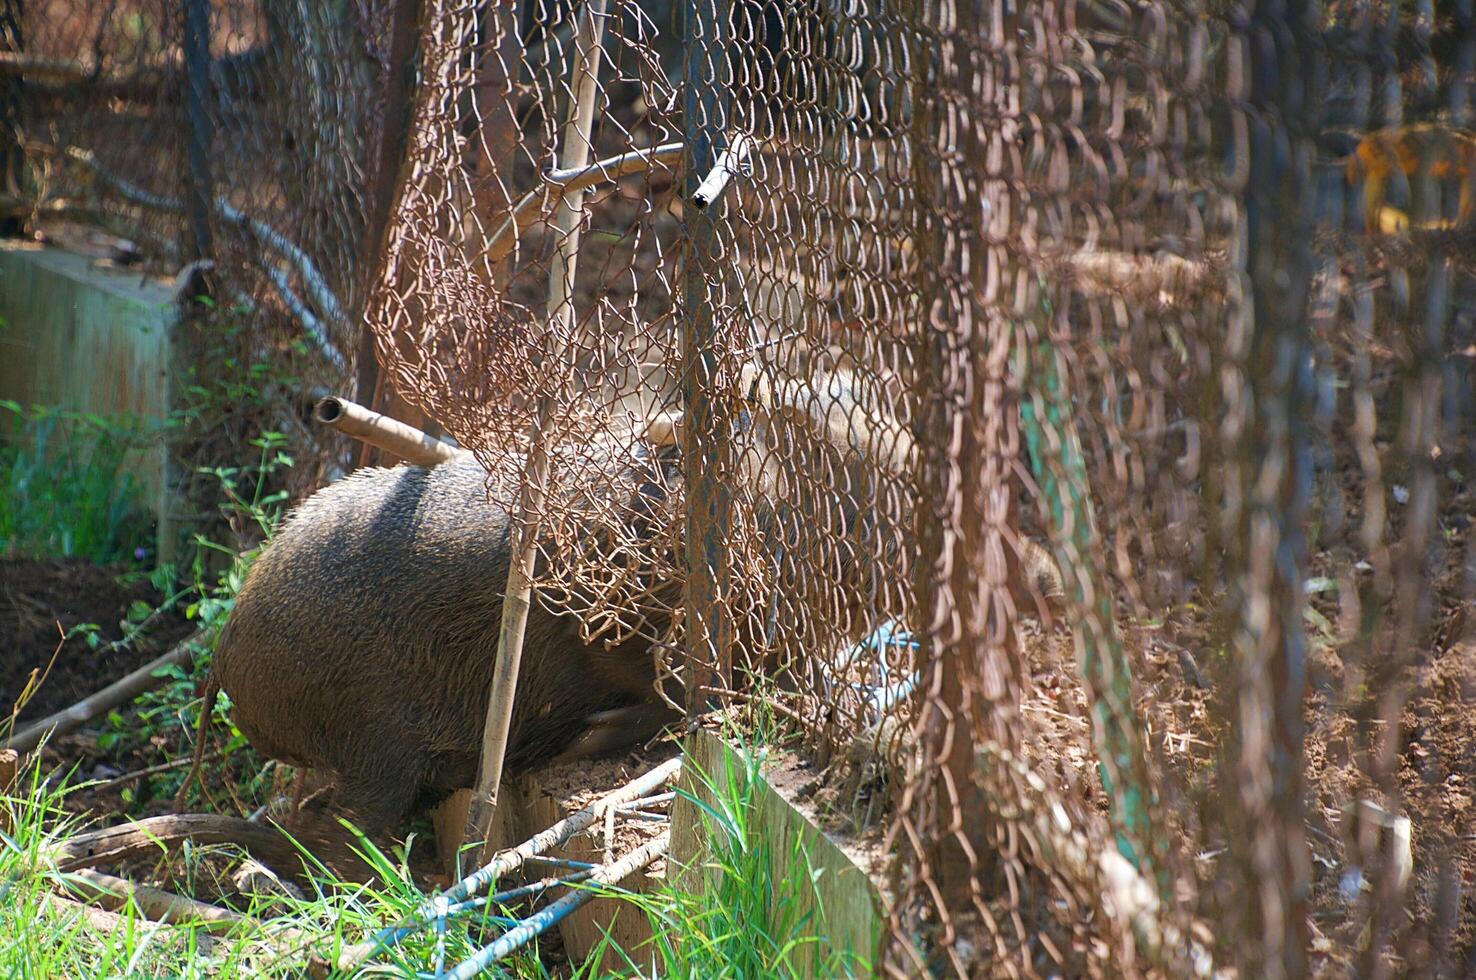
(67, 484)
(169, 713)
(743, 920)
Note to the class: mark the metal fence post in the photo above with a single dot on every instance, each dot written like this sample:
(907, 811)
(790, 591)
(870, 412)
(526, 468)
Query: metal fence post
(709, 626)
(969, 436)
(199, 189)
(372, 389)
(1278, 101)
(12, 157)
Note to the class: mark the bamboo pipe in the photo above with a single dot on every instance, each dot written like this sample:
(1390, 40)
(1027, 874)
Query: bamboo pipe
(517, 596)
(383, 432)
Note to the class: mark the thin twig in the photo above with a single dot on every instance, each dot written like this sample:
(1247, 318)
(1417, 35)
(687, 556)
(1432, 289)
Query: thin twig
(561, 183)
(114, 694)
(169, 766)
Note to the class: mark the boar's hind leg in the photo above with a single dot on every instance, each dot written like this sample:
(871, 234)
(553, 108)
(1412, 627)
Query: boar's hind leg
(380, 789)
(620, 728)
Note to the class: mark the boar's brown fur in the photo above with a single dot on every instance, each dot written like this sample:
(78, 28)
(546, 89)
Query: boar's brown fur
(363, 640)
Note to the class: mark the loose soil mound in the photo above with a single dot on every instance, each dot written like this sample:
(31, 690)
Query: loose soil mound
(40, 601)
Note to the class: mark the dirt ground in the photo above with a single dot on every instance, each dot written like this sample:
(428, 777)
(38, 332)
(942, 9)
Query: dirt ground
(40, 601)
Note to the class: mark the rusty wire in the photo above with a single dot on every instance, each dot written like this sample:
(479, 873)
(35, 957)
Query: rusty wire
(1119, 351)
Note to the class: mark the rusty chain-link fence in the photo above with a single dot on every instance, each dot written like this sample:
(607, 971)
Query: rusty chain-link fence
(1059, 414)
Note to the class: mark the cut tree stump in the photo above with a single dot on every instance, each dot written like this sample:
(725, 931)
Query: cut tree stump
(449, 820)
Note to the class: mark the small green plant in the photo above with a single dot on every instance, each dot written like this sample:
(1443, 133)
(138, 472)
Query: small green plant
(170, 712)
(67, 484)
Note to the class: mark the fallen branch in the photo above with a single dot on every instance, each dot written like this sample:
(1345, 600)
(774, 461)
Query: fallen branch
(383, 432)
(298, 310)
(155, 836)
(111, 923)
(94, 705)
(317, 286)
(113, 893)
(559, 183)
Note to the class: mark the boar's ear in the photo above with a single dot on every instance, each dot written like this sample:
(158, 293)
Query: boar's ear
(664, 429)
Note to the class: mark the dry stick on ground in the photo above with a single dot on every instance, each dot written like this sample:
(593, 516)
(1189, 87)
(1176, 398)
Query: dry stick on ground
(103, 701)
(160, 835)
(112, 924)
(159, 906)
(113, 893)
(517, 597)
(383, 432)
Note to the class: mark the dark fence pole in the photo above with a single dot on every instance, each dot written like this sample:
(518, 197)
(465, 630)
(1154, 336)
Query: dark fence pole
(971, 661)
(199, 189)
(1280, 93)
(12, 157)
(709, 626)
(499, 60)
(371, 388)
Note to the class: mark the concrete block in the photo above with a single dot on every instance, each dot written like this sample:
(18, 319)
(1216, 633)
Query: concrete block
(90, 339)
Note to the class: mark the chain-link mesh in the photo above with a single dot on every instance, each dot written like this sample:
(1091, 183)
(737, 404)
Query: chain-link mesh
(1072, 402)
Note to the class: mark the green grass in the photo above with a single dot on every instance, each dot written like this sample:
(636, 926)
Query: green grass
(743, 921)
(67, 484)
(43, 937)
